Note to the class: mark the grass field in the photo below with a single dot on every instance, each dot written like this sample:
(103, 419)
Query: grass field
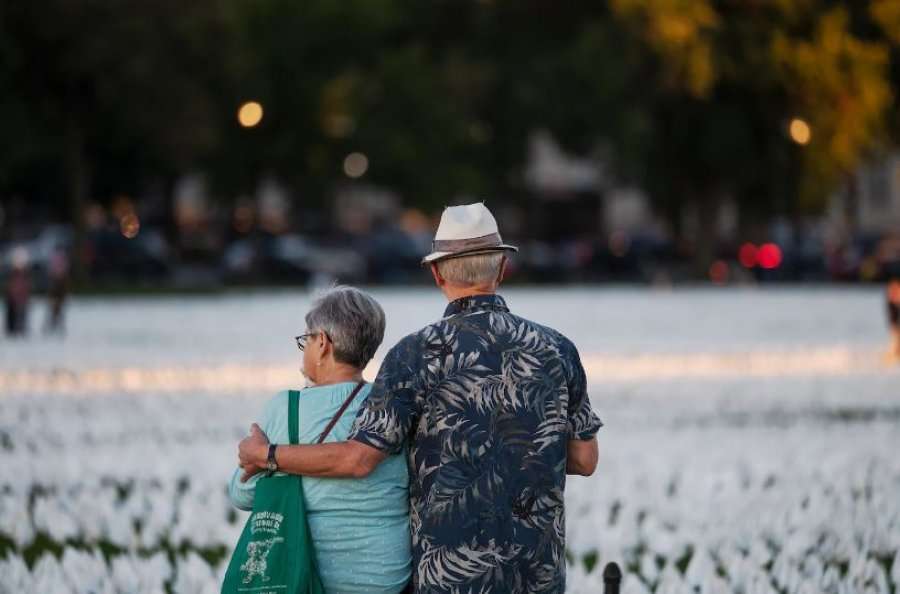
(751, 440)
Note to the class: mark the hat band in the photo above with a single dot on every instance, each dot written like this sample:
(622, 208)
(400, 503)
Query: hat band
(461, 245)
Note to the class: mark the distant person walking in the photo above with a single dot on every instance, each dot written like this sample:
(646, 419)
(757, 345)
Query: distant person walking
(893, 309)
(888, 254)
(18, 295)
(57, 291)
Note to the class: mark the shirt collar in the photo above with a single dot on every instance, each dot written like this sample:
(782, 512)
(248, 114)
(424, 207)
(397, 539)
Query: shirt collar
(476, 303)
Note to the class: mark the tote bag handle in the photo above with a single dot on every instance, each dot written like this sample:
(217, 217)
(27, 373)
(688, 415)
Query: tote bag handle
(293, 417)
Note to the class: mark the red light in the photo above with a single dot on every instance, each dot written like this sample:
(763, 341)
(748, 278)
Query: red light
(718, 272)
(748, 255)
(769, 256)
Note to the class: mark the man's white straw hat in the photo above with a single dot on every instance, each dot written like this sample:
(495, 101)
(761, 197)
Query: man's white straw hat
(466, 230)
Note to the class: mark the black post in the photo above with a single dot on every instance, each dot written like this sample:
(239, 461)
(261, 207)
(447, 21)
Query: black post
(612, 578)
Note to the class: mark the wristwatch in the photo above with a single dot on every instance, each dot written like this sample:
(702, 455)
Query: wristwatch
(271, 464)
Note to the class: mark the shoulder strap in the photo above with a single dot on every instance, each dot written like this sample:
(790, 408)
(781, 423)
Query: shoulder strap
(340, 412)
(294, 416)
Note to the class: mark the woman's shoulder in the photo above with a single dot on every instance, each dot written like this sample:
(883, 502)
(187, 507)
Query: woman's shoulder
(276, 405)
(340, 391)
(362, 394)
(279, 398)
(335, 398)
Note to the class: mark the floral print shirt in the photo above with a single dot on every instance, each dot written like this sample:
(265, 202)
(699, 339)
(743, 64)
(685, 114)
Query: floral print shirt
(483, 402)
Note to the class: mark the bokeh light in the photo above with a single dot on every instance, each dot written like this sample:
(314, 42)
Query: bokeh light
(769, 256)
(356, 165)
(800, 131)
(250, 114)
(747, 255)
(130, 225)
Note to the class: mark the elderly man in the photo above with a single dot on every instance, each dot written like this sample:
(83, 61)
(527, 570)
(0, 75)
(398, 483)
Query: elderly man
(492, 412)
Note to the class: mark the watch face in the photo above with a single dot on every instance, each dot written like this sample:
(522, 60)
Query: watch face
(271, 466)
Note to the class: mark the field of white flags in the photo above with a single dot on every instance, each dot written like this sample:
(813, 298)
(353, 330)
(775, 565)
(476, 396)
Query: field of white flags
(752, 438)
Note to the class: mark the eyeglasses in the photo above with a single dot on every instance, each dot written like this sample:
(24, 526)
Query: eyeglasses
(301, 340)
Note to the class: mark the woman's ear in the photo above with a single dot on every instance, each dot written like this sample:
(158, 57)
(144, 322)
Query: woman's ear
(324, 345)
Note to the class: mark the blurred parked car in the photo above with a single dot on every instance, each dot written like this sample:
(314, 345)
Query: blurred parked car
(289, 259)
(111, 257)
(393, 257)
(855, 260)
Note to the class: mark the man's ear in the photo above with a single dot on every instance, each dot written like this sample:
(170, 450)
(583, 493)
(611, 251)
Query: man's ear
(502, 274)
(438, 279)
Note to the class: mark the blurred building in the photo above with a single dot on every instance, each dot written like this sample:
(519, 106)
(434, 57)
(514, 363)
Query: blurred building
(869, 203)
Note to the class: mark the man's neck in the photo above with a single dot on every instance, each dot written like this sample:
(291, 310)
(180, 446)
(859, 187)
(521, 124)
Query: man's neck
(454, 293)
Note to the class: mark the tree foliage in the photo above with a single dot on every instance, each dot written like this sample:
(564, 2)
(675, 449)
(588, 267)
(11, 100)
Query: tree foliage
(689, 99)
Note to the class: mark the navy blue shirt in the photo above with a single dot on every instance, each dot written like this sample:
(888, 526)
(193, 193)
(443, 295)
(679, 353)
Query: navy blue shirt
(484, 403)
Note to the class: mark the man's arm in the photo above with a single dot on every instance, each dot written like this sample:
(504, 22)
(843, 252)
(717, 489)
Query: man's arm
(382, 425)
(583, 422)
(346, 459)
(581, 456)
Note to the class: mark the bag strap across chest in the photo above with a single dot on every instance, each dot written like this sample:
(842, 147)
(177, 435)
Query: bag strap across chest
(340, 412)
(294, 414)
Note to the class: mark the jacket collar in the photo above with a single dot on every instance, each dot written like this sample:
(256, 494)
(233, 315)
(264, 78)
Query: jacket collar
(476, 303)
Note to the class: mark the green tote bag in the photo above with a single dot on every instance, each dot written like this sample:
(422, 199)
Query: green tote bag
(275, 552)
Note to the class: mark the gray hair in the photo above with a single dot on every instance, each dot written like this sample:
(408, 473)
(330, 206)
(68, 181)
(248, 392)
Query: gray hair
(353, 321)
(478, 269)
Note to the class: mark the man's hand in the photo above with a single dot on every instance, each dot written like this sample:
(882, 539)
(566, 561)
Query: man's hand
(252, 452)
(581, 456)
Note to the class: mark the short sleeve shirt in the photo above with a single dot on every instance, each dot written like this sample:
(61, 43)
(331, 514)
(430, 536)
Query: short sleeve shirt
(484, 403)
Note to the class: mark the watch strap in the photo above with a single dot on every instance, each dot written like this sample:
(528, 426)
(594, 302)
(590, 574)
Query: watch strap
(271, 463)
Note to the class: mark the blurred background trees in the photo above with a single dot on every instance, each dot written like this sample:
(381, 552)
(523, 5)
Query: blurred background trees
(771, 105)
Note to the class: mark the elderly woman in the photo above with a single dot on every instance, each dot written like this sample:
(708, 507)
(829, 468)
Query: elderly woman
(359, 527)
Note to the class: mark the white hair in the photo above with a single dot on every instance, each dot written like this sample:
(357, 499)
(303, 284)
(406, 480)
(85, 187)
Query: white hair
(470, 271)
